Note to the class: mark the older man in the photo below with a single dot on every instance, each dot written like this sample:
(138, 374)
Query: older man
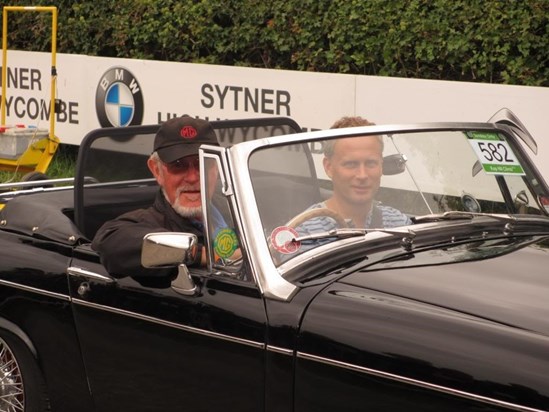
(175, 165)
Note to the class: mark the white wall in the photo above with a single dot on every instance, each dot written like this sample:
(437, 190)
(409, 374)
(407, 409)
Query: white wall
(314, 100)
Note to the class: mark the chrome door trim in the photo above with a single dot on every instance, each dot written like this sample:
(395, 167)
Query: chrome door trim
(282, 351)
(215, 335)
(415, 382)
(35, 290)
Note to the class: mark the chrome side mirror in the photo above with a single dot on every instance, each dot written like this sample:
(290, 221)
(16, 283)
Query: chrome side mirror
(170, 249)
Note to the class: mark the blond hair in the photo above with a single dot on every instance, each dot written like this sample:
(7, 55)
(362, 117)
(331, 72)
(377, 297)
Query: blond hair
(351, 121)
(347, 121)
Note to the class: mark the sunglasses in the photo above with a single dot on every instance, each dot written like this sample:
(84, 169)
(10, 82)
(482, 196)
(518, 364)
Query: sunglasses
(184, 164)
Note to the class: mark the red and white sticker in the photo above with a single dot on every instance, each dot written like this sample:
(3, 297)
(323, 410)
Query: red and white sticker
(282, 239)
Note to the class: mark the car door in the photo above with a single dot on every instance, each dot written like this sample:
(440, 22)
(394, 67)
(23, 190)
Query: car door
(149, 348)
(152, 349)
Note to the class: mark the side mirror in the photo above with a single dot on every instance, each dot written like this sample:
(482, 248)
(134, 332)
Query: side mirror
(170, 249)
(394, 164)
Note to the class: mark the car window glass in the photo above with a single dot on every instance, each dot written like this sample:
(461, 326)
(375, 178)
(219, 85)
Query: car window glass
(222, 234)
(422, 173)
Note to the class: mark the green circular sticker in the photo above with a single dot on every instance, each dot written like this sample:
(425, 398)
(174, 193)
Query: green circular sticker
(225, 243)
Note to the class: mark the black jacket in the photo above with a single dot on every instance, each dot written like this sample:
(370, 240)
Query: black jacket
(119, 241)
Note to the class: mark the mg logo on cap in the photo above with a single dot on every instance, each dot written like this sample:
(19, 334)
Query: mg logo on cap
(119, 99)
(188, 132)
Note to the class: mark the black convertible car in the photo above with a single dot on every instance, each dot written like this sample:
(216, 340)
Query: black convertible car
(448, 312)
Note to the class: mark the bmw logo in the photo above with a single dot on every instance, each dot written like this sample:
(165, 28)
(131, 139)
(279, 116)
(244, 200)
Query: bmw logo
(119, 99)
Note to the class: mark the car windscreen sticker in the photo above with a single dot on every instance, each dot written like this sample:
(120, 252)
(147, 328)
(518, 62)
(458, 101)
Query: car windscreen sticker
(225, 243)
(494, 153)
(282, 239)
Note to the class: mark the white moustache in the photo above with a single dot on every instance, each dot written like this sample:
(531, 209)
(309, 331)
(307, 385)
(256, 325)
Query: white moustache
(187, 188)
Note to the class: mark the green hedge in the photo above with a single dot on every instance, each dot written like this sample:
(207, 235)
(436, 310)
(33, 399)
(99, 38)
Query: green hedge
(492, 41)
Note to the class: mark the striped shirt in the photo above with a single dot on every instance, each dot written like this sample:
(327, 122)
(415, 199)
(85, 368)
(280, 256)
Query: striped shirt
(389, 217)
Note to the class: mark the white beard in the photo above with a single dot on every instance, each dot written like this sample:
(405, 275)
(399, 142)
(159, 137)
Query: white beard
(184, 211)
(194, 212)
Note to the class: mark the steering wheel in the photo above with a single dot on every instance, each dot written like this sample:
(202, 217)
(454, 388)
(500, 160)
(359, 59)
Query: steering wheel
(314, 213)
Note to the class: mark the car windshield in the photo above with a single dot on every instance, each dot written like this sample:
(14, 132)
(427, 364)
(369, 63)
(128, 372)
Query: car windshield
(319, 191)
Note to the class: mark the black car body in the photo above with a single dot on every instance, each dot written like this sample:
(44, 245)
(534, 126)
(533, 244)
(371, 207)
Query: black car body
(450, 313)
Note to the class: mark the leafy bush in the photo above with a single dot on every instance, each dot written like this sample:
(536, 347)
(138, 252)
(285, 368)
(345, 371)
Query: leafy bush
(493, 41)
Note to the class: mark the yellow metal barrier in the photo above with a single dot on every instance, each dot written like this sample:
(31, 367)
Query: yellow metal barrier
(39, 153)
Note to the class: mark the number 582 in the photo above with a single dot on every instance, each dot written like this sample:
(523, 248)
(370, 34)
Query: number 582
(495, 151)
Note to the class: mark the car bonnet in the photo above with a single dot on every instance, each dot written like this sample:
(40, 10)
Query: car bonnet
(510, 289)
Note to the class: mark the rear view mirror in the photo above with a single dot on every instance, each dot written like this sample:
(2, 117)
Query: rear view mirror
(394, 164)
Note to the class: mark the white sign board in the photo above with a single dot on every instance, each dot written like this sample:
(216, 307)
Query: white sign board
(98, 91)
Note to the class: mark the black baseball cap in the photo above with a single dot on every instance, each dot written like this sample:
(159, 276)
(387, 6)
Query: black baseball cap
(182, 136)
